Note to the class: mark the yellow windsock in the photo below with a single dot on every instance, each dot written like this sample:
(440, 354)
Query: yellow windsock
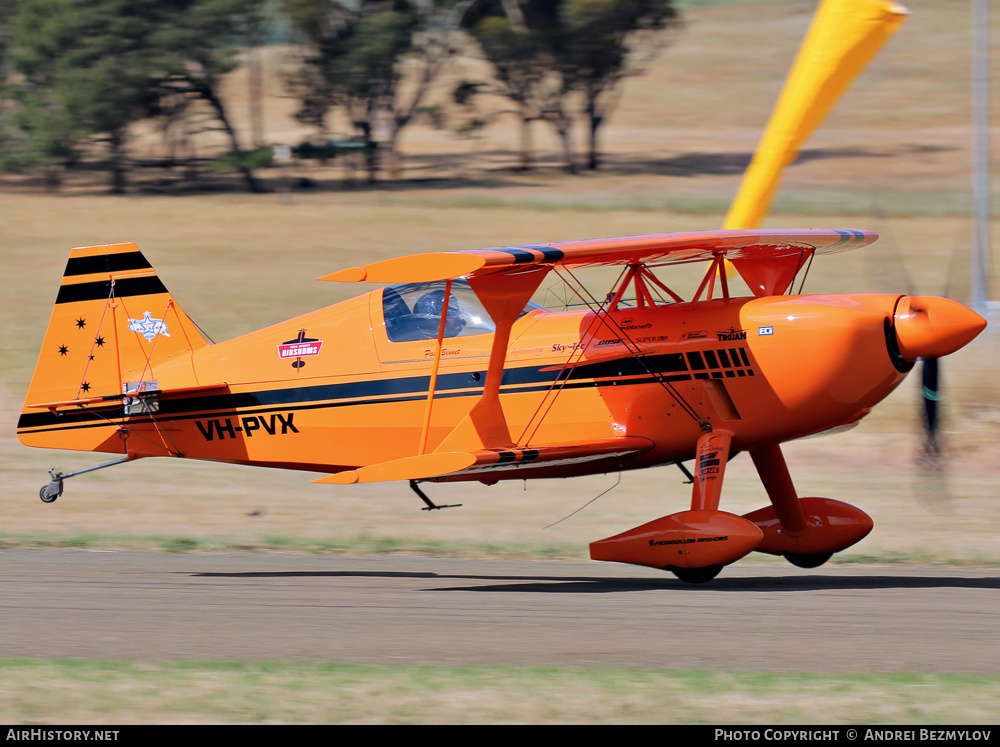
(844, 36)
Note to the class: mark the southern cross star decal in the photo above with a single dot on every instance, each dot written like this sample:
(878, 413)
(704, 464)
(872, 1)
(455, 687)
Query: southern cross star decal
(63, 350)
(99, 342)
(85, 386)
(81, 323)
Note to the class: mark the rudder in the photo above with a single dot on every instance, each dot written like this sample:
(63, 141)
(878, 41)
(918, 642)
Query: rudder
(114, 326)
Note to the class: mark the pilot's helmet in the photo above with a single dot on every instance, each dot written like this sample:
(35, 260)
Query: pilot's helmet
(430, 303)
(428, 306)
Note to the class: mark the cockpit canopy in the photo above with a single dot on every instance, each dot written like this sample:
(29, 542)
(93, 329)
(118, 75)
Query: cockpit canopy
(413, 311)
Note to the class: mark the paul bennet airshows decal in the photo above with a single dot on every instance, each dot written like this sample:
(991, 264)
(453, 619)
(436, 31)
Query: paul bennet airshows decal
(148, 327)
(299, 348)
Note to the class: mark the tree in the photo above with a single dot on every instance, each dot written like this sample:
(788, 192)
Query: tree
(523, 68)
(82, 73)
(357, 60)
(6, 11)
(605, 42)
(197, 49)
(544, 52)
(91, 68)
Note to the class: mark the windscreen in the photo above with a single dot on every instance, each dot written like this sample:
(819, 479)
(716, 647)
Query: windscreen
(413, 311)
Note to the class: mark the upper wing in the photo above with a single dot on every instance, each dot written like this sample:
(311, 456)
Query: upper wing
(749, 248)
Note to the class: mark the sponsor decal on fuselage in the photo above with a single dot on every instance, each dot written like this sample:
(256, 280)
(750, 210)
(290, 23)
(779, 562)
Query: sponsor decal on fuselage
(299, 348)
(688, 540)
(628, 324)
(731, 335)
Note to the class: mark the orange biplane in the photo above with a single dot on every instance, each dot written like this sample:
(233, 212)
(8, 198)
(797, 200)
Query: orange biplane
(451, 372)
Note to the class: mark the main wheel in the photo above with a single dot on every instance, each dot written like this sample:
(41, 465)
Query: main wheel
(815, 560)
(696, 575)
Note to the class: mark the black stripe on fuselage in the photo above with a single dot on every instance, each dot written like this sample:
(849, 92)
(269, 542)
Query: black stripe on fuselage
(101, 289)
(668, 367)
(106, 263)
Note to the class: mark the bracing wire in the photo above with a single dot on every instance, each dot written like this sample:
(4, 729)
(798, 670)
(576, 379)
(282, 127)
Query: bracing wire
(574, 513)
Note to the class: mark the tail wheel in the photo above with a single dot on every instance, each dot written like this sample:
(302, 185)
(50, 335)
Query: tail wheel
(696, 575)
(53, 490)
(814, 560)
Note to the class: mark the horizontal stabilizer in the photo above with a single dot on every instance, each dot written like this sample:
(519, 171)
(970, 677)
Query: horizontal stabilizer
(442, 464)
(158, 393)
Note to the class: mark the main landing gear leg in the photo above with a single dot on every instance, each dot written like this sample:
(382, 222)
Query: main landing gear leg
(710, 467)
(693, 545)
(806, 531)
(773, 471)
(54, 489)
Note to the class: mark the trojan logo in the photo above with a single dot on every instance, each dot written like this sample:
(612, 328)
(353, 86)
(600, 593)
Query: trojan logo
(732, 334)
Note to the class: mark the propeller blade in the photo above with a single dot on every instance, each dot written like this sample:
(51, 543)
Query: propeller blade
(929, 377)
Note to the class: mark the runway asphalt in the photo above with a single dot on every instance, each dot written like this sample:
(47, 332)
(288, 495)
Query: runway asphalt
(393, 609)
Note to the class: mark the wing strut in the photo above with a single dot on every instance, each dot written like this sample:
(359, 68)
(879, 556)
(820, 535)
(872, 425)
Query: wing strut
(503, 296)
(434, 375)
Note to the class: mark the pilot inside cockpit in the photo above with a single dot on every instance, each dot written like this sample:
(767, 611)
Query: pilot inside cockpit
(427, 312)
(423, 321)
(412, 311)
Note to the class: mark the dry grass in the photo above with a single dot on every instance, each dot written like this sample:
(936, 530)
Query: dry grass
(123, 693)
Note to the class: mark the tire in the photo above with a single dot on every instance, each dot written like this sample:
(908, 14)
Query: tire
(696, 575)
(815, 560)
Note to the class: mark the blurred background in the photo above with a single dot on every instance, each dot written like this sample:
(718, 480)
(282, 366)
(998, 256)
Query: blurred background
(250, 146)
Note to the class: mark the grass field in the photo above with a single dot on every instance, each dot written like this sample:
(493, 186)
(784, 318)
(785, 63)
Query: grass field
(675, 148)
(83, 692)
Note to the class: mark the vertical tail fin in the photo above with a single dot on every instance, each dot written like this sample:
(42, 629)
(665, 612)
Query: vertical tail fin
(115, 328)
